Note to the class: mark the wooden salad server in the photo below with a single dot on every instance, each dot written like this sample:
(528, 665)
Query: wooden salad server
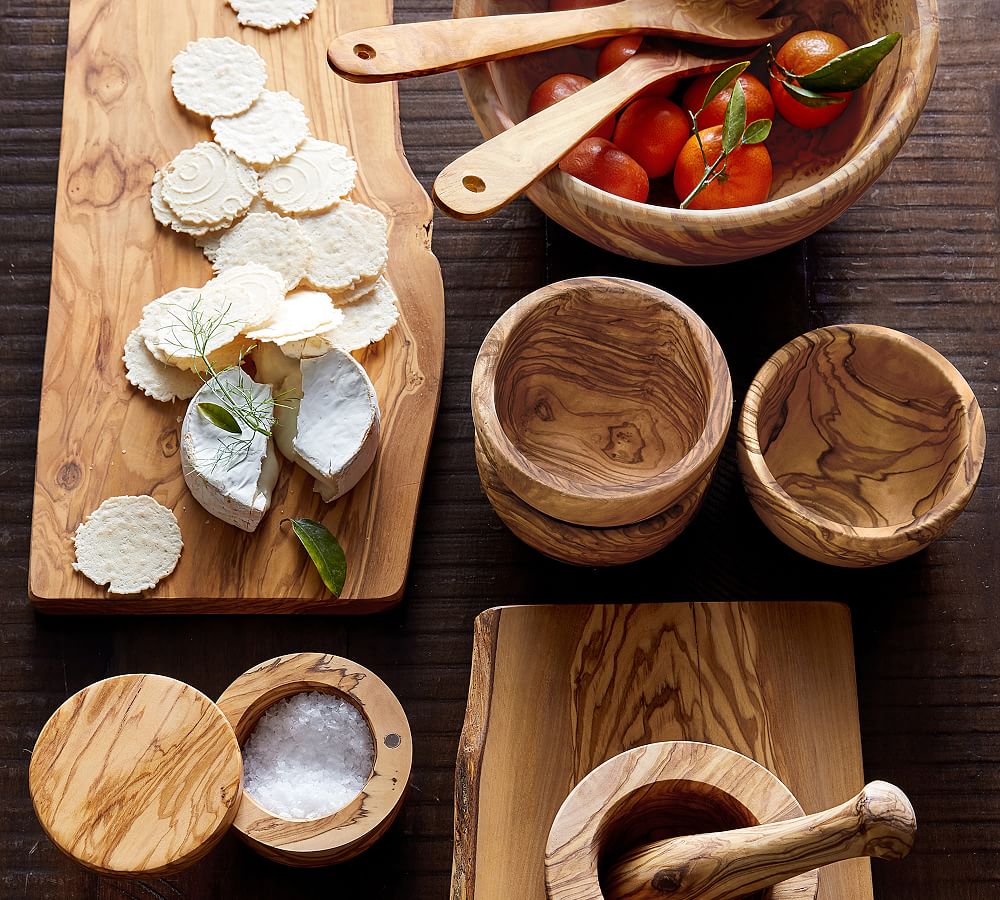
(878, 822)
(489, 176)
(391, 52)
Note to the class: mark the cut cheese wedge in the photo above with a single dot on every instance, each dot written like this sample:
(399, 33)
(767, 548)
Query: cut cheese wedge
(231, 475)
(332, 429)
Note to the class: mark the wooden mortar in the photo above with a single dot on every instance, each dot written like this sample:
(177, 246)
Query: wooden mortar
(859, 445)
(601, 401)
(348, 831)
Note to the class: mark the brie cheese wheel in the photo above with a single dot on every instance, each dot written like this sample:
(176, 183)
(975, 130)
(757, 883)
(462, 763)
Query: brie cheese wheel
(332, 430)
(231, 475)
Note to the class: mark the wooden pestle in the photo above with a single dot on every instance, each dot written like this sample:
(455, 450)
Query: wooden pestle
(878, 822)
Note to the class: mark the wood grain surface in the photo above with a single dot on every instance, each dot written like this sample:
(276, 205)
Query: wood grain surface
(918, 253)
(860, 445)
(772, 681)
(817, 174)
(99, 437)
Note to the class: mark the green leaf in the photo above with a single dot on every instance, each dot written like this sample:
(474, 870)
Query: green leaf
(735, 122)
(811, 98)
(851, 69)
(723, 80)
(757, 132)
(325, 552)
(220, 417)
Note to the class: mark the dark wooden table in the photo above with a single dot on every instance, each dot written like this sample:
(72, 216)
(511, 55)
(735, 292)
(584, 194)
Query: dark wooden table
(919, 253)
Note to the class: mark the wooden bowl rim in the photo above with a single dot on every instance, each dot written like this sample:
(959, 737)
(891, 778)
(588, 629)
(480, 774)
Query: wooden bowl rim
(610, 505)
(324, 672)
(962, 486)
(598, 809)
(872, 158)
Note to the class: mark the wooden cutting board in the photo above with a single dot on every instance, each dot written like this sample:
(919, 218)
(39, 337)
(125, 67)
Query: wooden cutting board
(98, 436)
(557, 690)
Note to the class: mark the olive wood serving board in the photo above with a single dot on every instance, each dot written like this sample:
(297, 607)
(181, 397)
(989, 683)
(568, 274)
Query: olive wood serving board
(557, 690)
(98, 436)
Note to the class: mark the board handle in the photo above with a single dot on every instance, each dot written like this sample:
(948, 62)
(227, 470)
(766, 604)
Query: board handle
(391, 52)
(878, 822)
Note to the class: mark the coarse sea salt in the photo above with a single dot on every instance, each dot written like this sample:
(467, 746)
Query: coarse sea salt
(308, 756)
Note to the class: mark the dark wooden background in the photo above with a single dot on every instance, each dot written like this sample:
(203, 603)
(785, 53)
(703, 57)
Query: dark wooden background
(919, 253)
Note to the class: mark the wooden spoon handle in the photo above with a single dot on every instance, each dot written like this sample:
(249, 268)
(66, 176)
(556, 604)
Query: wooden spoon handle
(877, 822)
(489, 176)
(390, 52)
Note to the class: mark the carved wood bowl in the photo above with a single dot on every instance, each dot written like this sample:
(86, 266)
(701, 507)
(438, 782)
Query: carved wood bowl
(659, 791)
(348, 831)
(859, 445)
(601, 401)
(818, 174)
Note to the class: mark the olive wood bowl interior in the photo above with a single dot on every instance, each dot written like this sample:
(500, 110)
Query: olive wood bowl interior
(859, 445)
(601, 401)
(348, 831)
(818, 174)
(660, 791)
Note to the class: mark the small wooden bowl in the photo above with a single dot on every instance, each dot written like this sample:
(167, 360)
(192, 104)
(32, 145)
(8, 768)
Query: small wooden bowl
(577, 544)
(347, 832)
(818, 174)
(600, 401)
(859, 445)
(668, 789)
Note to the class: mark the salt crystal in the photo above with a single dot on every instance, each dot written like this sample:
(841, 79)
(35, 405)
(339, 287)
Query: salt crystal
(308, 756)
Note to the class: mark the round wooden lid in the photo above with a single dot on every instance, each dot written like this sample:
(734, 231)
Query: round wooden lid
(136, 775)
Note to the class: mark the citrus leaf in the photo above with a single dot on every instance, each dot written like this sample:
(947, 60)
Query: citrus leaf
(723, 80)
(220, 417)
(735, 122)
(325, 552)
(851, 69)
(757, 132)
(811, 98)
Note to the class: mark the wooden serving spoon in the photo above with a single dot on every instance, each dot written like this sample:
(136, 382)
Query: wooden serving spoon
(489, 176)
(391, 52)
(877, 822)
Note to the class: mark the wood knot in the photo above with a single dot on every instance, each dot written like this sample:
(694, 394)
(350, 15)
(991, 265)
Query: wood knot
(168, 442)
(625, 443)
(69, 475)
(100, 181)
(667, 881)
(543, 410)
(106, 80)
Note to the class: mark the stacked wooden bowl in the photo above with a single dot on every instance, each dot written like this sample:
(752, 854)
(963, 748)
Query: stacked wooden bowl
(600, 407)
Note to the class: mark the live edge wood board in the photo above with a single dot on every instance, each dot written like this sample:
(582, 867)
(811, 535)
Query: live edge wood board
(98, 437)
(774, 681)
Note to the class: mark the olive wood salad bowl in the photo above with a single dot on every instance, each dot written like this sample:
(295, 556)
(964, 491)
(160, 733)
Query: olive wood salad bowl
(859, 445)
(601, 401)
(817, 174)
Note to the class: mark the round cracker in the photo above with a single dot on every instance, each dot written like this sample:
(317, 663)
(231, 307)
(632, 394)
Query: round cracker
(165, 215)
(271, 129)
(314, 178)
(349, 245)
(302, 315)
(128, 543)
(367, 320)
(205, 185)
(271, 14)
(218, 76)
(277, 240)
(208, 242)
(154, 378)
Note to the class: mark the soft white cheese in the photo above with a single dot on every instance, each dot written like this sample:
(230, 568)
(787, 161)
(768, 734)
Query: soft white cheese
(232, 486)
(332, 431)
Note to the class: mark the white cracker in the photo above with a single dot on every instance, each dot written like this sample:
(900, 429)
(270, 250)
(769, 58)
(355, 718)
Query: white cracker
(218, 76)
(128, 543)
(165, 215)
(367, 320)
(270, 130)
(154, 378)
(208, 242)
(303, 314)
(267, 237)
(314, 178)
(352, 295)
(349, 245)
(205, 185)
(271, 14)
